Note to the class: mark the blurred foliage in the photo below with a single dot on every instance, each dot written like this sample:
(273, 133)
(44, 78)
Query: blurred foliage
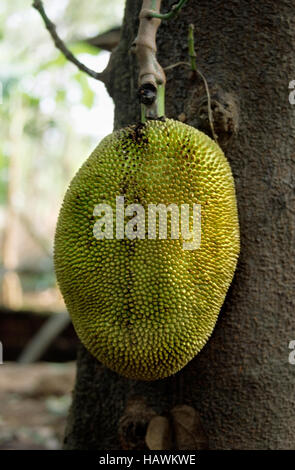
(58, 108)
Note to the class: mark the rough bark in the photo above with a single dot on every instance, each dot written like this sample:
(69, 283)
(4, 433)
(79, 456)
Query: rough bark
(241, 382)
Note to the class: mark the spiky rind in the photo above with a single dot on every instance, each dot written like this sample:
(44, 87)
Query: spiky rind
(146, 307)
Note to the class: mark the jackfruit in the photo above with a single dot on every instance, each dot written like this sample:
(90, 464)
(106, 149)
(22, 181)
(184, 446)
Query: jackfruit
(145, 307)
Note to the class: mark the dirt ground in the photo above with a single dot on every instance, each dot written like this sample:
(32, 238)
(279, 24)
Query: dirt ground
(34, 402)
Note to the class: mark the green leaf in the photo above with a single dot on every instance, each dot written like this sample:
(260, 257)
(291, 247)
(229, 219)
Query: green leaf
(76, 48)
(4, 162)
(88, 94)
(81, 47)
(60, 96)
(30, 100)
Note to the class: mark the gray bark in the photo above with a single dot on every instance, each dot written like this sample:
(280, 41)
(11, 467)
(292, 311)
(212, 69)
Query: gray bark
(241, 382)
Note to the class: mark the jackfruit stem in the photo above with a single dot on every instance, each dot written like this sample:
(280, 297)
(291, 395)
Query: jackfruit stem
(161, 100)
(142, 113)
(151, 73)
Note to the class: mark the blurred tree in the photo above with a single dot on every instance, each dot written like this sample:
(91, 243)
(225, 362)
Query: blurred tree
(241, 382)
(58, 107)
(11, 292)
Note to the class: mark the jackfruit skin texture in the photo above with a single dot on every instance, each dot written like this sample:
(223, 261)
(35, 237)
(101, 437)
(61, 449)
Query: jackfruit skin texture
(143, 307)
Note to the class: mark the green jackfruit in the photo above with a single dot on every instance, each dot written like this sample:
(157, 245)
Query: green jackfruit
(146, 306)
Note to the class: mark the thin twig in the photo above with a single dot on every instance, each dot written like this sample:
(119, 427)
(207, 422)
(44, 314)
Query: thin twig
(50, 26)
(194, 68)
(191, 47)
(210, 116)
(170, 14)
(169, 67)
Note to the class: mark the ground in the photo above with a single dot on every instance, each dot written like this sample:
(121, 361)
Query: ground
(34, 401)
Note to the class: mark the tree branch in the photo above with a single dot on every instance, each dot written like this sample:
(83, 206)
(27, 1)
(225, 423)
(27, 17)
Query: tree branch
(50, 26)
(107, 40)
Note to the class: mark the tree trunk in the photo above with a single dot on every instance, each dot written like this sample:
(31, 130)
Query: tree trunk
(241, 383)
